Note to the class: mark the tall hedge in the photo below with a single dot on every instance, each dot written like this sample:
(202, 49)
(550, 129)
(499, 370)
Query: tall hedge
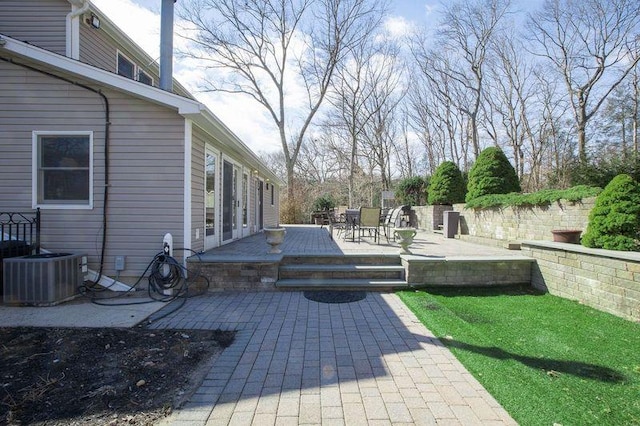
(492, 173)
(412, 191)
(614, 221)
(447, 185)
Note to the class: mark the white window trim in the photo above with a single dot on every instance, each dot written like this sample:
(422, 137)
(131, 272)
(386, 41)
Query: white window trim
(135, 66)
(34, 170)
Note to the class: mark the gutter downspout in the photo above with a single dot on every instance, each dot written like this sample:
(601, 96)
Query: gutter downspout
(73, 27)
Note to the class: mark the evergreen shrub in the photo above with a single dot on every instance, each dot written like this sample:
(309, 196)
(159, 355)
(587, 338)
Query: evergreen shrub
(412, 191)
(447, 185)
(614, 221)
(323, 203)
(492, 173)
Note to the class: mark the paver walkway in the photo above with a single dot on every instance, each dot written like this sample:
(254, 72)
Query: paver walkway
(296, 361)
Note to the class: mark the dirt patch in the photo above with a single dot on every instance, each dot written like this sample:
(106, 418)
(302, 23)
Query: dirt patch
(62, 376)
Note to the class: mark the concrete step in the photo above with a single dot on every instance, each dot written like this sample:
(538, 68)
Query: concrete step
(344, 259)
(332, 271)
(340, 284)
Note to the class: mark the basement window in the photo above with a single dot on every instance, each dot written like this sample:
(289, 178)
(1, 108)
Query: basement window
(62, 169)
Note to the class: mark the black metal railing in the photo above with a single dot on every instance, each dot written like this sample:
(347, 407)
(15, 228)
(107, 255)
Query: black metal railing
(19, 233)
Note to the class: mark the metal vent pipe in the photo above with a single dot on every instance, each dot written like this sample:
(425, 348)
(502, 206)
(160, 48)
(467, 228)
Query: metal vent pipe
(166, 45)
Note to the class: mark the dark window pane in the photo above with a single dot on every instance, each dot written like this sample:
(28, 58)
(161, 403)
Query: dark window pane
(64, 151)
(126, 67)
(144, 78)
(65, 185)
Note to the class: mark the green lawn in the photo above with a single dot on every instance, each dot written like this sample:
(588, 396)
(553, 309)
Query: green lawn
(545, 359)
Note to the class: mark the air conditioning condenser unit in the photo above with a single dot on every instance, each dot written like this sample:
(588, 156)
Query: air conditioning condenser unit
(43, 279)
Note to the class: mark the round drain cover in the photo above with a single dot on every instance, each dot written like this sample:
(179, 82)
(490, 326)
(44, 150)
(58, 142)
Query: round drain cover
(326, 296)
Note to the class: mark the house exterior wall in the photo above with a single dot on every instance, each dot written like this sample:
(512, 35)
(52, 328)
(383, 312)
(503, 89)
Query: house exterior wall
(271, 209)
(146, 148)
(99, 49)
(39, 22)
(147, 180)
(201, 140)
(146, 153)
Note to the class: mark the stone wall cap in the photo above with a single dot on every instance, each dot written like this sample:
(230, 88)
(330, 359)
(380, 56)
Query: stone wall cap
(633, 256)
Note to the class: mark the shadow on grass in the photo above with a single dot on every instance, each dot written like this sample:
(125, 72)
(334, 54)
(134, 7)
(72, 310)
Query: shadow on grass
(504, 290)
(552, 367)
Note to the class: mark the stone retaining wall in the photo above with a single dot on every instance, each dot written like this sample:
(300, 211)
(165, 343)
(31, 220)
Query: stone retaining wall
(429, 217)
(603, 279)
(467, 271)
(245, 276)
(517, 223)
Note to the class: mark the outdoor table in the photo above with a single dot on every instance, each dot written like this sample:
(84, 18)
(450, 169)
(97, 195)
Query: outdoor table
(352, 219)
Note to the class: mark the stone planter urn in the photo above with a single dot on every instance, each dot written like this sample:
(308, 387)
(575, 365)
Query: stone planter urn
(275, 237)
(405, 238)
(571, 236)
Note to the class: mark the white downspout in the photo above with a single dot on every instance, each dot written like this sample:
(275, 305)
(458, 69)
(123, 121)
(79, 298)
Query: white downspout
(78, 7)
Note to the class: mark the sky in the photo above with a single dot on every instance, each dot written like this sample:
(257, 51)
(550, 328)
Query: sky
(140, 19)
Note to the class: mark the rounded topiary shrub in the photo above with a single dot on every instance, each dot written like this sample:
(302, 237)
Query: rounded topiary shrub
(412, 191)
(447, 185)
(614, 221)
(492, 173)
(323, 203)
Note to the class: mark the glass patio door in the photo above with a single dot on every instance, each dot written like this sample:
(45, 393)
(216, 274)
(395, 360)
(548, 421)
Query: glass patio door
(230, 201)
(210, 225)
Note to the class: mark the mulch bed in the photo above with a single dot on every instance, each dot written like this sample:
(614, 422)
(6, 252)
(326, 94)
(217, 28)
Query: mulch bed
(63, 376)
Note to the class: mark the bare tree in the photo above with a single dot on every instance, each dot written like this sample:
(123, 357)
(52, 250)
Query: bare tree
(350, 92)
(381, 131)
(635, 83)
(586, 42)
(511, 95)
(268, 49)
(435, 98)
(468, 28)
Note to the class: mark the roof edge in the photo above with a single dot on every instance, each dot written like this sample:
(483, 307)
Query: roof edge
(97, 75)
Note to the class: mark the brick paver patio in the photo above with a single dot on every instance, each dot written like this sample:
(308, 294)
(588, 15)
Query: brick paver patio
(296, 361)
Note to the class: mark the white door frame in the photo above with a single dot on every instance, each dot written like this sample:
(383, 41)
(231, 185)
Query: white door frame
(212, 235)
(245, 197)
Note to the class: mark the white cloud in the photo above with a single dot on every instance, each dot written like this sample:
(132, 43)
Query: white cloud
(398, 27)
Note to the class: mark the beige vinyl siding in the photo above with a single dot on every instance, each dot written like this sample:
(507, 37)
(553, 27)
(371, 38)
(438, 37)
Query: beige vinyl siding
(99, 49)
(197, 190)
(146, 192)
(23, 96)
(146, 163)
(271, 211)
(96, 48)
(39, 22)
(24, 108)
